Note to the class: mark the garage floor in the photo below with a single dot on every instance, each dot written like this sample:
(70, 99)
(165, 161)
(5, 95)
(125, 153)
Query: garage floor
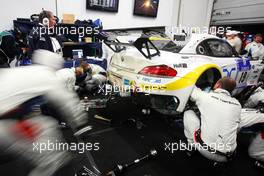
(122, 142)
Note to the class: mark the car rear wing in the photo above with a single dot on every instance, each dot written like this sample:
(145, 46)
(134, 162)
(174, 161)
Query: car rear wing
(143, 45)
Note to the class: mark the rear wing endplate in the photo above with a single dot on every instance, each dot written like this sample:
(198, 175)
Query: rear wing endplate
(143, 45)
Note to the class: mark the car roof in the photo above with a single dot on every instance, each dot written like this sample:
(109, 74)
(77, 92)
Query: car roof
(194, 40)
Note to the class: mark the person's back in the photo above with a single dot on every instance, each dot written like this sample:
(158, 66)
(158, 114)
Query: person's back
(234, 40)
(213, 131)
(237, 44)
(220, 115)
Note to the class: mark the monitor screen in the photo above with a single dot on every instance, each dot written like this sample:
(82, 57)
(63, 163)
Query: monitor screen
(77, 53)
(147, 8)
(103, 5)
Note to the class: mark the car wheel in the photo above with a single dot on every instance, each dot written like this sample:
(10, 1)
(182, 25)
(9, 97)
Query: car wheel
(208, 79)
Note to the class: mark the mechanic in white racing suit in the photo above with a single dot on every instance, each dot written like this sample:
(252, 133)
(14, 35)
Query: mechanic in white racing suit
(214, 133)
(90, 76)
(252, 116)
(95, 78)
(23, 131)
(256, 48)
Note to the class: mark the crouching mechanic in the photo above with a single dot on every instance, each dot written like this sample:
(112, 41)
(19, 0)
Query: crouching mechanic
(87, 77)
(252, 117)
(96, 77)
(214, 133)
(20, 128)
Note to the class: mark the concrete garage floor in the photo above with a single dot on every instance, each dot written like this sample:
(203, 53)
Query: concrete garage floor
(121, 142)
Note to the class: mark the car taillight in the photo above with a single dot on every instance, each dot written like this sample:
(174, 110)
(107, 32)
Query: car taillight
(158, 71)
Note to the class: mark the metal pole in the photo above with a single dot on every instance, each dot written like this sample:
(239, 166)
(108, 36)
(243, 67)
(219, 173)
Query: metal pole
(179, 12)
(56, 5)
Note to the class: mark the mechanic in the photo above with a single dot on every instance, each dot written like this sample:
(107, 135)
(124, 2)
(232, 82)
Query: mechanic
(252, 117)
(96, 76)
(8, 48)
(233, 39)
(256, 49)
(71, 78)
(88, 76)
(214, 133)
(21, 126)
(43, 35)
(255, 98)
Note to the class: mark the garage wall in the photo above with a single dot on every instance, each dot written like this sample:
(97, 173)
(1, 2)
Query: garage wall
(12, 9)
(194, 13)
(124, 18)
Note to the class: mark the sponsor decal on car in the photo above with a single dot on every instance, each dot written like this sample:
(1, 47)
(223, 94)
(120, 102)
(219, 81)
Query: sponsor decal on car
(180, 65)
(243, 64)
(151, 80)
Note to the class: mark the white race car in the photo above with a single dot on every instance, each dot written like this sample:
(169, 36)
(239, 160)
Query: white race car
(166, 73)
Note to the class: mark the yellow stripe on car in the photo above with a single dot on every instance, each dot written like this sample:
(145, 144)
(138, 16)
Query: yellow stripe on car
(158, 38)
(186, 81)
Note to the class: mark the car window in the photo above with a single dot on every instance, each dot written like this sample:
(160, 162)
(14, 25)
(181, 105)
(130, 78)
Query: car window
(167, 45)
(216, 48)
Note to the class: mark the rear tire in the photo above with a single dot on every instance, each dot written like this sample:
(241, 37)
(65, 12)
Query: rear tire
(208, 79)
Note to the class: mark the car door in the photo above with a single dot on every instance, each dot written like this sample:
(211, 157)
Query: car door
(228, 60)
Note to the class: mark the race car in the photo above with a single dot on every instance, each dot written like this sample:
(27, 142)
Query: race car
(166, 72)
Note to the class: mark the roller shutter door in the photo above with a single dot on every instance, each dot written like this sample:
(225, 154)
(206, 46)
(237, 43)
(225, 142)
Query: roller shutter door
(230, 12)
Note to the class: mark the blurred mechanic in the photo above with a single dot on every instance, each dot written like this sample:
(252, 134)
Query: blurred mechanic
(44, 35)
(96, 76)
(8, 48)
(252, 116)
(214, 131)
(233, 39)
(88, 76)
(256, 48)
(21, 127)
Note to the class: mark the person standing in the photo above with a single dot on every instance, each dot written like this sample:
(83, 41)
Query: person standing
(43, 36)
(256, 48)
(233, 39)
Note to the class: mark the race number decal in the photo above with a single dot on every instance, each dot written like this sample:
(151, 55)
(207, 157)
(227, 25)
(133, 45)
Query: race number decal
(243, 69)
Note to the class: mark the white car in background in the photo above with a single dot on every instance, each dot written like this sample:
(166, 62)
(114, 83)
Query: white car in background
(166, 73)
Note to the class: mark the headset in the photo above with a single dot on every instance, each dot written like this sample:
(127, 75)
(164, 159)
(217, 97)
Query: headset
(45, 17)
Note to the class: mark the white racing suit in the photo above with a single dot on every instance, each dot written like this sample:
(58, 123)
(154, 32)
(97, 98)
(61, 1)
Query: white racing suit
(256, 50)
(250, 117)
(96, 78)
(19, 85)
(68, 77)
(93, 80)
(218, 123)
